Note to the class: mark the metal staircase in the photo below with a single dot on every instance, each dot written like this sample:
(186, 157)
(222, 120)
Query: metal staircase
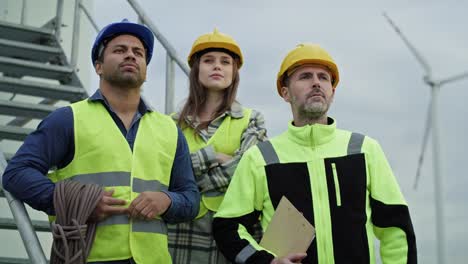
(35, 78)
(32, 52)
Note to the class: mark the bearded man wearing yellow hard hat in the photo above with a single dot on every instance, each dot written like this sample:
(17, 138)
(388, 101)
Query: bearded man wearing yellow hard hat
(339, 180)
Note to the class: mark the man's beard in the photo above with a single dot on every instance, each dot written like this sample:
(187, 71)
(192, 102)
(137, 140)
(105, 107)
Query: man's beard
(313, 110)
(122, 80)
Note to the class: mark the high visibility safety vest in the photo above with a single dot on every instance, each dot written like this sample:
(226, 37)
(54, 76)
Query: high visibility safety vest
(103, 156)
(227, 140)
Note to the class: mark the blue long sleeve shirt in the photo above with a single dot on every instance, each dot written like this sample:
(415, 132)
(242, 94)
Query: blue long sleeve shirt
(52, 146)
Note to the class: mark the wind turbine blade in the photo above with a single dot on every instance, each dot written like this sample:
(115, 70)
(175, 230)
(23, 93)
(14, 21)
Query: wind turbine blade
(454, 78)
(424, 145)
(413, 50)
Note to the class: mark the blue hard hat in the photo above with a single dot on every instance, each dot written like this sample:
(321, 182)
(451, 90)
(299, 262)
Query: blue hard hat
(125, 27)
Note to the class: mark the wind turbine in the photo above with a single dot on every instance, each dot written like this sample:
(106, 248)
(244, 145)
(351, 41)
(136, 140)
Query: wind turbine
(431, 124)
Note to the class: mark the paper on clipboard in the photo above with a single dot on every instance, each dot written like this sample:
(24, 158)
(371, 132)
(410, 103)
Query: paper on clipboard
(288, 231)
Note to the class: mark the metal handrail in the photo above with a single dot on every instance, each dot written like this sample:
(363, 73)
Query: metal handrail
(23, 12)
(169, 103)
(23, 221)
(58, 20)
(160, 37)
(75, 35)
(90, 18)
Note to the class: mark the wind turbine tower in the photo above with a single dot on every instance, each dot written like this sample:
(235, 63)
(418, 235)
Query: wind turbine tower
(432, 124)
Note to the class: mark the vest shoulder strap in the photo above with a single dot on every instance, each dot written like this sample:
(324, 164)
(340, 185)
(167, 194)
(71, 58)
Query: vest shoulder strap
(268, 152)
(355, 143)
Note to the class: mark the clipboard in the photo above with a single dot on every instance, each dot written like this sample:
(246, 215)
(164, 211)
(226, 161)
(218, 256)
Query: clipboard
(288, 231)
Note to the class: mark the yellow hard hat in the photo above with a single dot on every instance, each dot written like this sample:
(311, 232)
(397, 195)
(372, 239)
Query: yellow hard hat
(307, 54)
(215, 39)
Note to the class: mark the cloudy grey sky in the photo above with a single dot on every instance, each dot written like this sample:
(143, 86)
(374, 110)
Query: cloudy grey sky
(381, 91)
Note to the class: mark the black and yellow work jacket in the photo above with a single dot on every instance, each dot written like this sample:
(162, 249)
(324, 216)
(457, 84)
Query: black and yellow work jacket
(340, 181)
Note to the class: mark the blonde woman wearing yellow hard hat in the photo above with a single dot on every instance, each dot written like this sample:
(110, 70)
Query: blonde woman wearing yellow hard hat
(218, 130)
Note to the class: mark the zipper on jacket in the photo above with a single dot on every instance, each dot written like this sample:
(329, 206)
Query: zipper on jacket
(337, 185)
(321, 210)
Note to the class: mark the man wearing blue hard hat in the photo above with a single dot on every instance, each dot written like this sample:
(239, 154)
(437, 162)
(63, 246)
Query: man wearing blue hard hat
(116, 140)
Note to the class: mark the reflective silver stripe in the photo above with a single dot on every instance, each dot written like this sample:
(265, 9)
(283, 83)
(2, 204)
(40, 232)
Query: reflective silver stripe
(115, 220)
(213, 194)
(140, 186)
(355, 143)
(116, 178)
(245, 253)
(153, 226)
(268, 152)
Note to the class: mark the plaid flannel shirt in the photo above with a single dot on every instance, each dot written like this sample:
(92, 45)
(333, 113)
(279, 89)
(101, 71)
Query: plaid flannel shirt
(211, 175)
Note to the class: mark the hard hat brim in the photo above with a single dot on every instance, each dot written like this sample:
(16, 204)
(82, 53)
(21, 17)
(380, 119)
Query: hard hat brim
(122, 28)
(209, 45)
(331, 66)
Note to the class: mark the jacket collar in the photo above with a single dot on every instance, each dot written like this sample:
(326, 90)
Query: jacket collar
(312, 135)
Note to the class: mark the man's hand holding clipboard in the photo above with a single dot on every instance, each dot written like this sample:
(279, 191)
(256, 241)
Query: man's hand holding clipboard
(289, 234)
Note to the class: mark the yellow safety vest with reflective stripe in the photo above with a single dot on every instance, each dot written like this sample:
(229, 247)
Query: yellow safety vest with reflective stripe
(103, 156)
(226, 139)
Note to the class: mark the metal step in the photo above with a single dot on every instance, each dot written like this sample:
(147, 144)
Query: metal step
(13, 108)
(14, 132)
(40, 89)
(21, 121)
(28, 51)
(27, 33)
(17, 67)
(5, 260)
(8, 156)
(10, 224)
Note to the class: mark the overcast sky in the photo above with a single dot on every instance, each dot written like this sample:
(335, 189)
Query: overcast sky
(381, 91)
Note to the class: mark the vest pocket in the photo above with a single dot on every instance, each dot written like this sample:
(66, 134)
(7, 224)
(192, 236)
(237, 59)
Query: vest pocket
(337, 185)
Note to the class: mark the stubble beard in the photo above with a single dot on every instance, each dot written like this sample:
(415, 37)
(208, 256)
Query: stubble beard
(124, 80)
(313, 110)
